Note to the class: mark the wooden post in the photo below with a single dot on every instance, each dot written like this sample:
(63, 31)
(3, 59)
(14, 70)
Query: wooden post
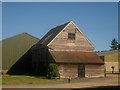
(69, 79)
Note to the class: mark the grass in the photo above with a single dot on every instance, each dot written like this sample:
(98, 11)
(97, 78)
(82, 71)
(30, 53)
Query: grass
(12, 80)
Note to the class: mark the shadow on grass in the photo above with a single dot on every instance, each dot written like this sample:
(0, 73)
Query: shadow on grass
(40, 77)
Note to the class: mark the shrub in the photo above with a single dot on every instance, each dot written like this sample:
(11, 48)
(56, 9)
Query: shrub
(52, 71)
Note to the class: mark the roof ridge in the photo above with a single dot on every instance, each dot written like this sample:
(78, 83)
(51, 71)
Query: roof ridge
(64, 26)
(20, 34)
(51, 34)
(107, 52)
(61, 24)
(12, 36)
(30, 35)
(79, 29)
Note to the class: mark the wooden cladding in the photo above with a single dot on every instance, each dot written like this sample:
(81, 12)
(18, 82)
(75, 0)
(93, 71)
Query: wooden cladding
(68, 38)
(68, 70)
(80, 70)
(71, 39)
(94, 70)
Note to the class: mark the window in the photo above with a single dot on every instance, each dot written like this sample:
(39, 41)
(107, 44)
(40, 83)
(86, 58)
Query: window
(71, 36)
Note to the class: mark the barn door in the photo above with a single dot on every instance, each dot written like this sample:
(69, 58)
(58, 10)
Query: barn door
(81, 70)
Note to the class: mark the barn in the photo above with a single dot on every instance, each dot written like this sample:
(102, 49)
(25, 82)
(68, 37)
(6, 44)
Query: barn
(13, 48)
(111, 59)
(68, 47)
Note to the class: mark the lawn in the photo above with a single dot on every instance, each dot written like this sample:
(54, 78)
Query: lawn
(11, 80)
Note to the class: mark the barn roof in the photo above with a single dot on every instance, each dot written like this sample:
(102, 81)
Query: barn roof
(21, 34)
(104, 53)
(13, 48)
(47, 39)
(75, 57)
(50, 35)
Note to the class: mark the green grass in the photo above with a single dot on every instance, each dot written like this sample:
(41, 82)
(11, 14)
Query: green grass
(11, 80)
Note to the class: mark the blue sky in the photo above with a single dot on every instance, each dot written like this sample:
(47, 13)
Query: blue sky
(98, 21)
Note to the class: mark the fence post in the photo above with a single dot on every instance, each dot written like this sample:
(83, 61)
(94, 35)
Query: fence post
(69, 79)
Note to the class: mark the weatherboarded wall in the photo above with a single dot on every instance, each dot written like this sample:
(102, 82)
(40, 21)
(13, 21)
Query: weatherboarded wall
(71, 70)
(92, 70)
(62, 42)
(68, 70)
(69, 39)
(15, 47)
(111, 58)
(109, 65)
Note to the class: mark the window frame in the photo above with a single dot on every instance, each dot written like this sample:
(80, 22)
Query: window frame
(71, 36)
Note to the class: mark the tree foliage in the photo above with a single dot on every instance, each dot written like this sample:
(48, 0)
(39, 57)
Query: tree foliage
(114, 44)
(52, 71)
(118, 46)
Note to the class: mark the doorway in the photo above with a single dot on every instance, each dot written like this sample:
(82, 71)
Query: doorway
(81, 70)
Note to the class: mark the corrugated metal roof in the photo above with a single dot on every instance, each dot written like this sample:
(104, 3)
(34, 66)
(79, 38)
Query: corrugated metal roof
(75, 57)
(15, 47)
(24, 33)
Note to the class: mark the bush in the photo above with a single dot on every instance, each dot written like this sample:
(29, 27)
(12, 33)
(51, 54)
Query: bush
(52, 71)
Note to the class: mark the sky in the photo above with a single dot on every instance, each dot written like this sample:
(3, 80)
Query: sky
(60, 0)
(97, 20)
(119, 22)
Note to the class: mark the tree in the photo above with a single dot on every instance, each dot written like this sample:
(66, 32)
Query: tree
(118, 46)
(52, 71)
(114, 44)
